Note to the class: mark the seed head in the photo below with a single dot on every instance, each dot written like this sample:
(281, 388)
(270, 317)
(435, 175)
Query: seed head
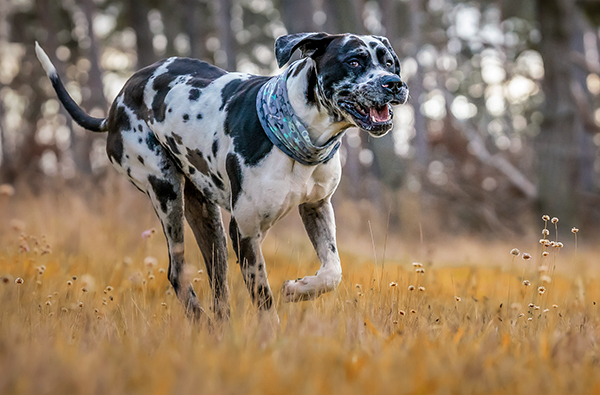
(84, 289)
(395, 322)
(543, 268)
(393, 284)
(554, 220)
(560, 245)
(411, 287)
(417, 264)
(545, 253)
(545, 232)
(151, 277)
(545, 217)
(402, 312)
(48, 303)
(420, 270)
(536, 307)
(526, 256)
(148, 233)
(413, 311)
(5, 280)
(109, 288)
(163, 304)
(521, 315)
(200, 271)
(546, 279)
(529, 319)
(19, 280)
(457, 298)
(80, 304)
(574, 230)
(526, 283)
(541, 290)
(64, 310)
(546, 310)
(161, 270)
(422, 289)
(96, 311)
(69, 283)
(531, 305)
(555, 306)
(515, 251)
(150, 262)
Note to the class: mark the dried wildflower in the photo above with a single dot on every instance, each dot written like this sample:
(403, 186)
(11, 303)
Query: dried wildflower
(395, 322)
(531, 305)
(200, 271)
(529, 319)
(5, 280)
(69, 283)
(393, 284)
(96, 311)
(402, 312)
(545, 232)
(457, 298)
(541, 290)
(411, 287)
(552, 244)
(560, 245)
(413, 311)
(515, 306)
(74, 278)
(515, 251)
(148, 233)
(526, 283)
(555, 306)
(546, 310)
(64, 310)
(360, 293)
(543, 268)
(545, 253)
(17, 225)
(7, 190)
(574, 230)
(554, 220)
(168, 292)
(49, 296)
(19, 280)
(150, 262)
(545, 218)
(80, 304)
(161, 270)
(521, 315)
(48, 303)
(358, 286)
(84, 289)
(536, 307)
(526, 256)
(163, 304)
(417, 264)
(420, 270)
(546, 279)
(422, 289)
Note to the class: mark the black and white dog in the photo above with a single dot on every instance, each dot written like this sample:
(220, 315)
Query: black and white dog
(194, 137)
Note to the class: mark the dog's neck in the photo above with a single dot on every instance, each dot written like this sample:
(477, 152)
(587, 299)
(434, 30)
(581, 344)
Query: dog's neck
(320, 124)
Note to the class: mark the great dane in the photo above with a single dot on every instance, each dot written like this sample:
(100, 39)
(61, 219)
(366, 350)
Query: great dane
(194, 138)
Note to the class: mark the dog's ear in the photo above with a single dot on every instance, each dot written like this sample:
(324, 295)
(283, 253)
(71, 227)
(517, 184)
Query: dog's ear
(308, 43)
(387, 44)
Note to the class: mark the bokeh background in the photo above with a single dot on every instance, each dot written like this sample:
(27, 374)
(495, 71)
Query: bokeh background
(502, 126)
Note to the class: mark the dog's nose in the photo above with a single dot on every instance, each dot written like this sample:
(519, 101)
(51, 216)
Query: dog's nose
(392, 83)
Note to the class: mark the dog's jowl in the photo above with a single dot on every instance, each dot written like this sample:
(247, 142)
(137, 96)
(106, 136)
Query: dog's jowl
(195, 138)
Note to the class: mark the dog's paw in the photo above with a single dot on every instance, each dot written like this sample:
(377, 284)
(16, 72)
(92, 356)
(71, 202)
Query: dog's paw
(297, 290)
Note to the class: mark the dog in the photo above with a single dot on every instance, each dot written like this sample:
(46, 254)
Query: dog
(195, 138)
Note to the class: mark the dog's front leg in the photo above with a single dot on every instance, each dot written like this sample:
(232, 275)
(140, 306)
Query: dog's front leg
(319, 222)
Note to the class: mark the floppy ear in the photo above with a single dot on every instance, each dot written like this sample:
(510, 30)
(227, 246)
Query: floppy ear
(387, 44)
(308, 43)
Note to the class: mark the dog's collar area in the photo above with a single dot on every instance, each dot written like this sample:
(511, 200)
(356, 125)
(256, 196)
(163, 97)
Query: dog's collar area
(285, 129)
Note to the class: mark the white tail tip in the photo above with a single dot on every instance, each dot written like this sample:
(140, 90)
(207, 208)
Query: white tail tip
(45, 60)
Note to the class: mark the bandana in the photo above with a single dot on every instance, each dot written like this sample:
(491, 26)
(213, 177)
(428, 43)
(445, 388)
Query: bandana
(285, 129)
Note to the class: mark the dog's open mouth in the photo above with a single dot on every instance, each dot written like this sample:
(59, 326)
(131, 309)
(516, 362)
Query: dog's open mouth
(372, 119)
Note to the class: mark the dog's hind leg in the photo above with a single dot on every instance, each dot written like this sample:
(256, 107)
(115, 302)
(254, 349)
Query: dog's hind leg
(166, 193)
(319, 222)
(204, 217)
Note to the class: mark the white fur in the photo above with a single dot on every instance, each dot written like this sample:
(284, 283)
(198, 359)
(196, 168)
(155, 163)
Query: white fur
(44, 60)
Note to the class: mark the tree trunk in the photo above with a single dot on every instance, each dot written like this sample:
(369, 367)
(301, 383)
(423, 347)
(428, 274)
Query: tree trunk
(298, 16)
(556, 145)
(138, 20)
(226, 35)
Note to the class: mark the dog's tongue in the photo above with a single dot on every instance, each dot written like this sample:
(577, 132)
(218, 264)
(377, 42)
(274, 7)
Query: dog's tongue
(381, 114)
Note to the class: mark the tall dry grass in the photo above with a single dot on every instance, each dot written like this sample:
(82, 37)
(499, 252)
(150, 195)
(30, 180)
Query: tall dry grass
(85, 308)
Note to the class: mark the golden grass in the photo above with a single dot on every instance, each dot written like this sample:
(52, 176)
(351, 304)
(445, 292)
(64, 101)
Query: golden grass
(462, 334)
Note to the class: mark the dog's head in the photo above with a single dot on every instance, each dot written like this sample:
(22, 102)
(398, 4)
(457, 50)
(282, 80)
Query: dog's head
(358, 77)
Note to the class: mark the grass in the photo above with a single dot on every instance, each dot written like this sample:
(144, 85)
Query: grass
(94, 315)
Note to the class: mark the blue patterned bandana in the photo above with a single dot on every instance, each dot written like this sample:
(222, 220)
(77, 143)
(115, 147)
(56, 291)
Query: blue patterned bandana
(285, 129)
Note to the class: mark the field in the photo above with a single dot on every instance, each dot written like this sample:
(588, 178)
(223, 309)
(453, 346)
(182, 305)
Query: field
(86, 308)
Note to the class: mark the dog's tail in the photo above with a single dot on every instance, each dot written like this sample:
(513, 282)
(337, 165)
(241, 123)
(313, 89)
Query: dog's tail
(84, 120)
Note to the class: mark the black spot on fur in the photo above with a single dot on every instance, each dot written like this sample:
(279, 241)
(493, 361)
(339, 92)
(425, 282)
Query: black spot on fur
(199, 116)
(228, 92)
(118, 122)
(194, 94)
(140, 140)
(152, 142)
(139, 158)
(242, 124)
(164, 191)
(171, 143)
(217, 181)
(215, 147)
(191, 169)
(197, 160)
(140, 128)
(186, 117)
(234, 171)
(161, 86)
(177, 138)
(311, 97)
(133, 91)
(299, 68)
(332, 248)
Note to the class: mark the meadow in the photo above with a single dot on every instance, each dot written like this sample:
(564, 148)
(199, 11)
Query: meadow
(86, 308)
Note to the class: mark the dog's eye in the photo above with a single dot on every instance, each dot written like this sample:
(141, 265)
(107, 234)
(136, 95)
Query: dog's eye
(354, 63)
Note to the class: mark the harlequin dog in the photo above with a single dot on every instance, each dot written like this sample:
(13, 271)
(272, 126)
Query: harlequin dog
(195, 138)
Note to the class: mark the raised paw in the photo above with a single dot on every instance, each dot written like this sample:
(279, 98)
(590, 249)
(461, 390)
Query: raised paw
(297, 290)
